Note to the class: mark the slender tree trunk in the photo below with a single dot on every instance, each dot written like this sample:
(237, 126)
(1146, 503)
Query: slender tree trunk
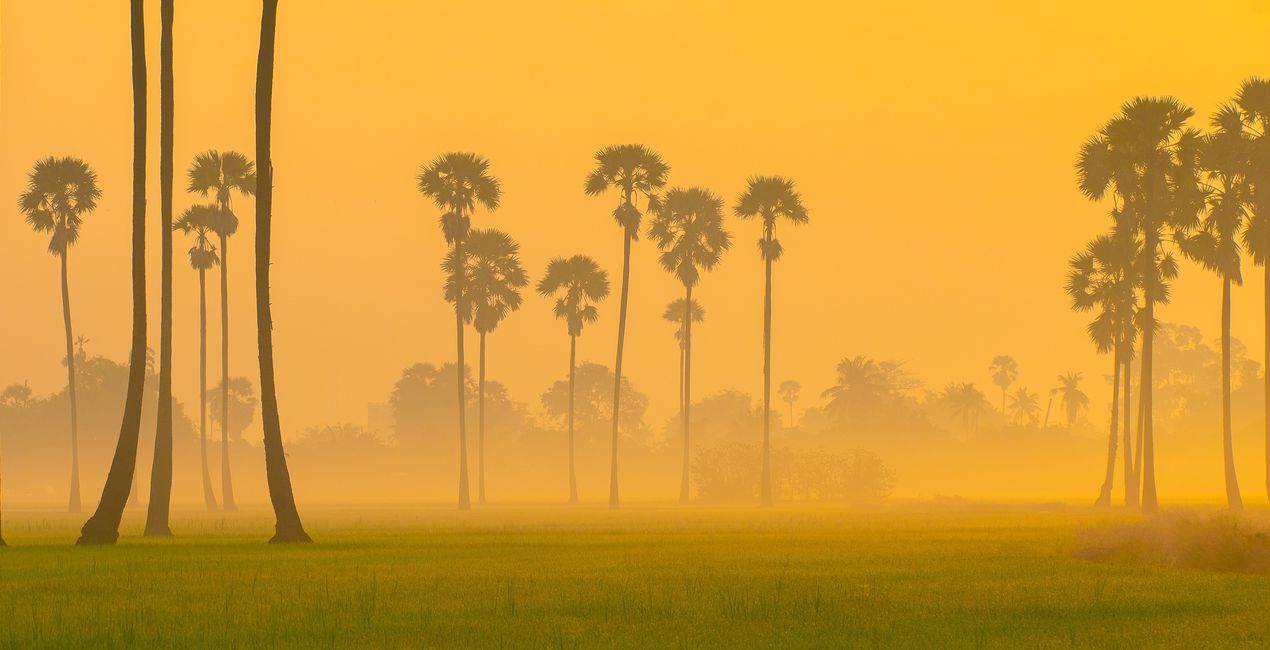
(480, 426)
(683, 488)
(1104, 495)
(765, 490)
(573, 477)
(1048, 404)
(1233, 499)
(791, 415)
(1137, 452)
(103, 526)
(209, 495)
(1130, 472)
(617, 367)
(73, 504)
(161, 468)
(288, 527)
(1150, 502)
(1267, 378)
(226, 480)
(465, 501)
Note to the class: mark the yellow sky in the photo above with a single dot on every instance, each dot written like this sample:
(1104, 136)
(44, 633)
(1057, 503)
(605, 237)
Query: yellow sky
(933, 144)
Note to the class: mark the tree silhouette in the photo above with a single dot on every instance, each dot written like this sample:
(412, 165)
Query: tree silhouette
(458, 183)
(220, 174)
(966, 403)
(789, 390)
(866, 387)
(1146, 159)
(688, 228)
(677, 312)
(771, 199)
(103, 526)
(1025, 405)
(636, 172)
(1004, 371)
(59, 193)
(1070, 397)
(577, 283)
(197, 220)
(493, 278)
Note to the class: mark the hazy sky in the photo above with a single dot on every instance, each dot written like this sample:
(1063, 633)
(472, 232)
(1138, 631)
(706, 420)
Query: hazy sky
(933, 144)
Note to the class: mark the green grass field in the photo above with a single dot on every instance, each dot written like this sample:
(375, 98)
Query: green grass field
(645, 576)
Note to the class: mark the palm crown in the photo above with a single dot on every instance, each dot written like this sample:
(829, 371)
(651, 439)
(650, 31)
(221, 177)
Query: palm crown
(59, 192)
(1073, 398)
(1223, 158)
(688, 226)
(580, 283)
(198, 220)
(677, 312)
(1105, 276)
(1253, 101)
(771, 198)
(219, 174)
(492, 280)
(457, 182)
(634, 170)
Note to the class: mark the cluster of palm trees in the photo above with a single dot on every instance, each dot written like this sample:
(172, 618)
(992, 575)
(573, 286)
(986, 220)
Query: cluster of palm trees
(1175, 191)
(484, 275)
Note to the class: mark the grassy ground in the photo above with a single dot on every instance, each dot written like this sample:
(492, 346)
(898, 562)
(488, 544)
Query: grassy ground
(645, 576)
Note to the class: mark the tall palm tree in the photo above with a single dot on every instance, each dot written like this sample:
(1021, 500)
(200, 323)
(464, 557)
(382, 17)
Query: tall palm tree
(288, 527)
(103, 526)
(578, 283)
(1145, 159)
(636, 172)
(1071, 397)
(1104, 276)
(221, 174)
(1004, 371)
(966, 403)
(161, 467)
(677, 312)
(1025, 405)
(197, 220)
(771, 199)
(458, 183)
(493, 277)
(1224, 158)
(59, 193)
(688, 228)
(1253, 101)
(789, 390)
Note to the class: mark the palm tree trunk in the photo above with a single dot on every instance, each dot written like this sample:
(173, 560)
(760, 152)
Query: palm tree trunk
(73, 504)
(480, 427)
(209, 495)
(1150, 503)
(1050, 403)
(617, 366)
(465, 501)
(1137, 452)
(103, 526)
(226, 480)
(1130, 472)
(288, 527)
(1104, 495)
(687, 414)
(161, 466)
(1233, 499)
(573, 477)
(1267, 380)
(765, 490)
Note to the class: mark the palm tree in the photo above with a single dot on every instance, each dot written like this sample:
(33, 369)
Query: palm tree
(677, 312)
(103, 526)
(965, 402)
(864, 387)
(1145, 158)
(288, 527)
(493, 277)
(1224, 158)
(1025, 406)
(770, 198)
(688, 228)
(198, 220)
(636, 172)
(59, 193)
(1070, 397)
(161, 468)
(578, 283)
(1104, 276)
(221, 174)
(457, 183)
(789, 390)
(1004, 371)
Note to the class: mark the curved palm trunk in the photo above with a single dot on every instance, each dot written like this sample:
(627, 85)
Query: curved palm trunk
(573, 477)
(683, 487)
(617, 366)
(1050, 403)
(209, 495)
(227, 481)
(480, 428)
(1104, 495)
(73, 504)
(465, 501)
(765, 493)
(1130, 471)
(288, 527)
(161, 468)
(1233, 499)
(103, 526)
